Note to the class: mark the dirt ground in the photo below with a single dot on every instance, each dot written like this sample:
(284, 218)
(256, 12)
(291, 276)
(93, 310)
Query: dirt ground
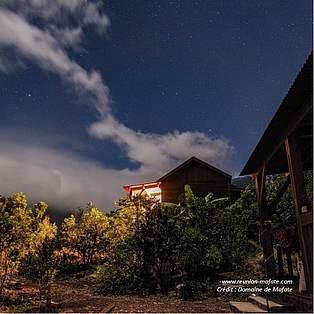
(76, 296)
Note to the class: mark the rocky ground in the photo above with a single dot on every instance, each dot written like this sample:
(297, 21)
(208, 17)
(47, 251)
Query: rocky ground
(70, 296)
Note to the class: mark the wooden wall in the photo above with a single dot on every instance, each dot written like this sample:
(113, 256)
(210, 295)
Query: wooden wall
(201, 179)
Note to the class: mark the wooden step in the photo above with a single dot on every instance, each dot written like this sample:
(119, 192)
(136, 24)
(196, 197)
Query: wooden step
(109, 308)
(273, 306)
(245, 307)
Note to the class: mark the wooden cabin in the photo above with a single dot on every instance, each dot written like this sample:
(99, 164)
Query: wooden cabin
(286, 147)
(199, 175)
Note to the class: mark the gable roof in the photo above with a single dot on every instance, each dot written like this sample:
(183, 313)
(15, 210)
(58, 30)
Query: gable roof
(190, 160)
(295, 112)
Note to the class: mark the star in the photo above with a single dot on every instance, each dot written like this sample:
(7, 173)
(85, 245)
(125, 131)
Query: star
(29, 95)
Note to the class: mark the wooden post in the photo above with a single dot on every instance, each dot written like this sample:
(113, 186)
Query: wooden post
(299, 195)
(265, 224)
(229, 191)
(296, 171)
(289, 263)
(280, 262)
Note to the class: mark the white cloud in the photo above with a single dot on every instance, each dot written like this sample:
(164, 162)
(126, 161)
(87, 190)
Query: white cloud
(68, 37)
(55, 175)
(63, 179)
(45, 50)
(66, 180)
(159, 152)
(60, 12)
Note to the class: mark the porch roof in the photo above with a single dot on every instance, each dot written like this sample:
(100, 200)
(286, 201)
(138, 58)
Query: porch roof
(295, 115)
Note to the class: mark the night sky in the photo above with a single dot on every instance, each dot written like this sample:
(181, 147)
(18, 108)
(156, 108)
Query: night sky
(206, 72)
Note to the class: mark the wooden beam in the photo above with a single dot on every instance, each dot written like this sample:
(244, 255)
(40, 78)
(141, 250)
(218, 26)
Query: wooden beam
(229, 191)
(265, 224)
(306, 219)
(260, 178)
(296, 172)
(294, 159)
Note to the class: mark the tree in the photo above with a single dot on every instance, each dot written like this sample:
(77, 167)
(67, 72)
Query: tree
(121, 270)
(15, 229)
(86, 233)
(128, 216)
(41, 263)
(167, 244)
(157, 247)
(23, 231)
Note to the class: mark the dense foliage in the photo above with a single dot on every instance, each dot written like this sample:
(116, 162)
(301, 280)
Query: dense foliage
(42, 265)
(284, 215)
(85, 234)
(24, 233)
(175, 245)
(142, 246)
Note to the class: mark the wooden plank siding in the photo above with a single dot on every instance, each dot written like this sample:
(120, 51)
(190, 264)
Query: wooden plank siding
(202, 180)
(202, 177)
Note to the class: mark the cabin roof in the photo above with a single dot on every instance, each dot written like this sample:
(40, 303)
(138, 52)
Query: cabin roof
(190, 160)
(184, 164)
(294, 115)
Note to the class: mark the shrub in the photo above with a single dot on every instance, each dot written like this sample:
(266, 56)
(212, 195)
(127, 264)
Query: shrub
(41, 263)
(118, 274)
(23, 230)
(41, 267)
(85, 234)
(169, 245)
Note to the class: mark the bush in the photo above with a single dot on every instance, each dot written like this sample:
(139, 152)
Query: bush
(85, 234)
(119, 273)
(193, 289)
(23, 231)
(41, 264)
(42, 267)
(171, 245)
